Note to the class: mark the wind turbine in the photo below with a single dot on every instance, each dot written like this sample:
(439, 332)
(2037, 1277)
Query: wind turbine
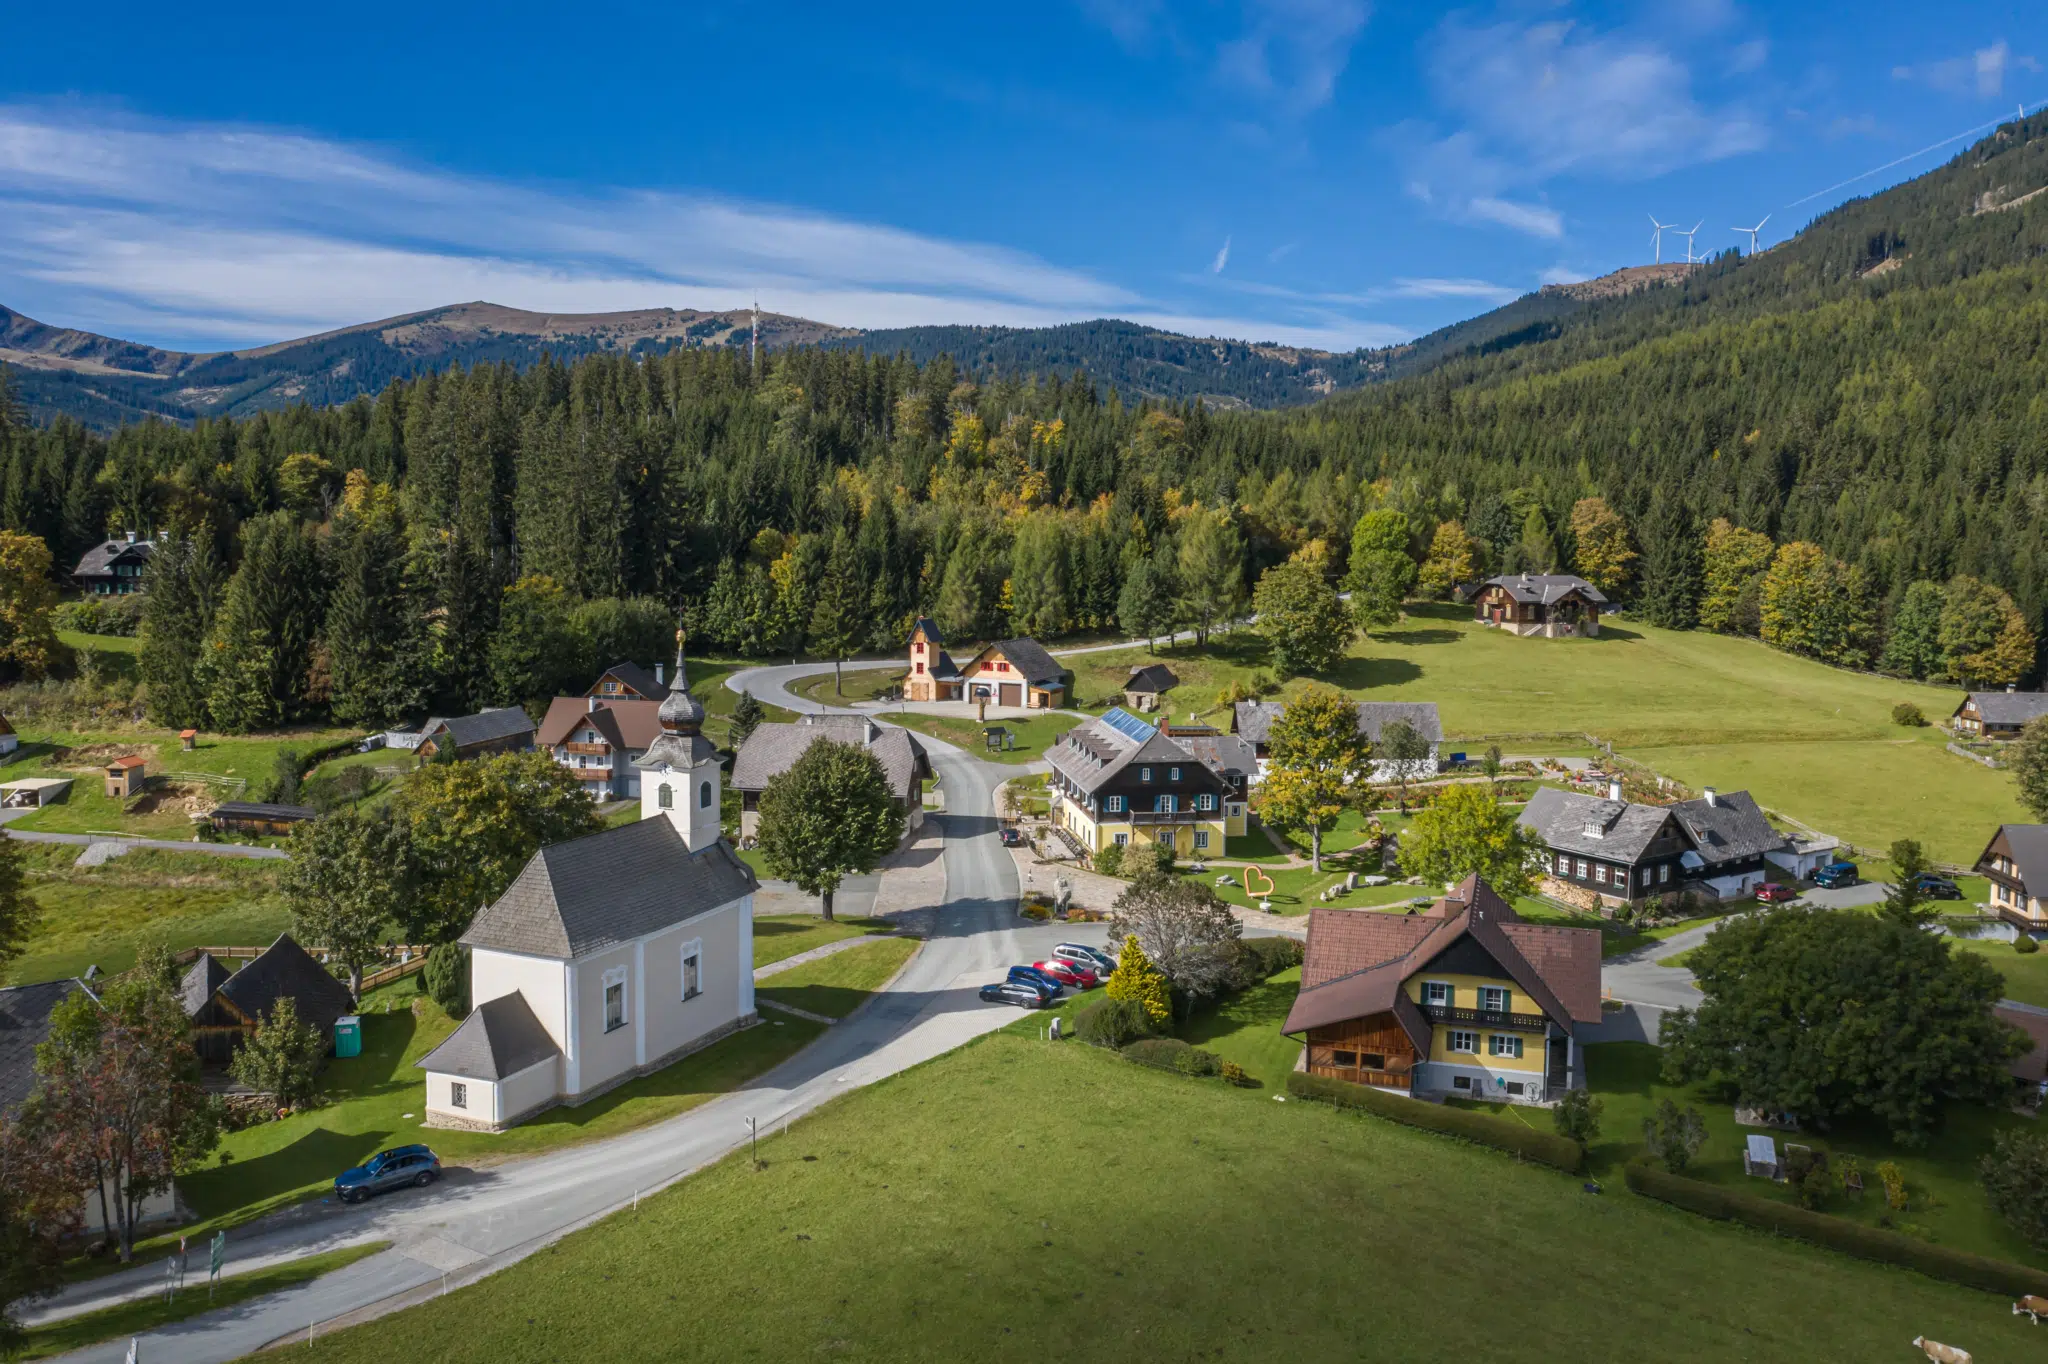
(1690, 259)
(1657, 237)
(1752, 231)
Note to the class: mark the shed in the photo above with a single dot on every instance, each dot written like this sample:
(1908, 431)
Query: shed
(188, 739)
(9, 740)
(32, 793)
(259, 817)
(1760, 1157)
(225, 1008)
(1146, 684)
(127, 776)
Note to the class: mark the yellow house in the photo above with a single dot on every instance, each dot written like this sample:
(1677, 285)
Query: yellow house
(1120, 781)
(1464, 999)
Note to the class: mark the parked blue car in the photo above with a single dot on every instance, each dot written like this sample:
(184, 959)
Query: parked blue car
(1031, 975)
(401, 1165)
(1836, 875)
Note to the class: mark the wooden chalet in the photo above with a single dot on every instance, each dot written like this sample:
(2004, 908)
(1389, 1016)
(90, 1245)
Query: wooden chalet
(1998, 714)
(1016, 672)
(1118, 780)
(630, 682)
(599, 740)
(225, 1006)
(1549, 604)
(1463, 999)
(1146, 684)
(114, 568)
(2015, 862)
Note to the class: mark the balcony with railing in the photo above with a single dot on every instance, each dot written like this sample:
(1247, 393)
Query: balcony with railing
(1485, 1018)
(598, 750)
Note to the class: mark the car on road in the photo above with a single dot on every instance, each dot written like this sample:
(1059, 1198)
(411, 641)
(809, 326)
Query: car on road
(1039, 978)
(1938, 887)
(1073, 975)
(392, 1169)
(1094, 958)
(1773, 892)
(1012, 838)
(1021, 993)
(1836, 875)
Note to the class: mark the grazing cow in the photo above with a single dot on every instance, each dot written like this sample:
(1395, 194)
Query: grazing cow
(2031, 1306)
(1940, 1353)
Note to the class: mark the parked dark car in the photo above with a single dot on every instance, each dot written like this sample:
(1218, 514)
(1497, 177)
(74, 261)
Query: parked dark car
(401, 1165)
(1773, 892)
(1032, 975)
(1836, 875)
(1938, 887)
(1021, 993)
(1012, 838)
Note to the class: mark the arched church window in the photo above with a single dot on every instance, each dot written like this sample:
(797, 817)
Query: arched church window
(704, 796)
(665, 797)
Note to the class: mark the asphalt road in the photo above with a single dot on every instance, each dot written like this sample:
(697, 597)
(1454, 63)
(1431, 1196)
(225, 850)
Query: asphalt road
(474, 1222)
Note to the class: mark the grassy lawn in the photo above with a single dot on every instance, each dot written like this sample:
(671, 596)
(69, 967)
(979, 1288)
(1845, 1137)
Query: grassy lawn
(865, 684)
(152, 1313)
(921, 1218)
(1032, 736)
(102, 915)
(780, 936)
(837, 985)
(2026, 977)
(377, 1100)
(1708, 709)
(1245, 1028)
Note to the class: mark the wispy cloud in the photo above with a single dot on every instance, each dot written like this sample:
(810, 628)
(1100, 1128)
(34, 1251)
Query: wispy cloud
(1981, 73)
(1534, 101)
(1293, 51)
(1222, 258)
(224, 236)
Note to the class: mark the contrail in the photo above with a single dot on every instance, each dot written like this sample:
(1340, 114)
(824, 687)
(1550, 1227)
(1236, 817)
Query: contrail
(1930, 147)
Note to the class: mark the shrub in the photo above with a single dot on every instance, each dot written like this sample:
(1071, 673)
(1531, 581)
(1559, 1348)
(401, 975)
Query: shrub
(1806, 1173)
(1110, 861)
(1234, 691)
(1907, 714)
(1577, 1116)
(2015, 1175)
(1036, 910)
(1894, 1186)
(1138, 980)
(1195, 1061)
(1836, 1233)
(94, 616)
(1233, 1073)
(1674, 1134)
(447, 979)
(1112, 1023)
(1260, 958)
(1162, 858)
(1163, 1053)
(1483, 1128)
(282, 1058)
(2024, 944)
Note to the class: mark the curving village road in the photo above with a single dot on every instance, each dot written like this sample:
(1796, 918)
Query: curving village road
(478, 1221)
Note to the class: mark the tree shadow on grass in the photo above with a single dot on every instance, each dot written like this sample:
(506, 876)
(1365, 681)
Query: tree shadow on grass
(1410, 638)
(320, 1153)
(1361, 674)
(833, 1001)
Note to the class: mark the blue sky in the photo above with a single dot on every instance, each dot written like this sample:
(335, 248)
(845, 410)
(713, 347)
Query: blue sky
(1326, 172)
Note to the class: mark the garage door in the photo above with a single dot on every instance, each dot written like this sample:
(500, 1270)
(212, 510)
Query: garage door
(1013, 693)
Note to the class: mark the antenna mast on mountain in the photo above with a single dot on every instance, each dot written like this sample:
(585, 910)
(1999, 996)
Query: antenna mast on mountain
(754, 340)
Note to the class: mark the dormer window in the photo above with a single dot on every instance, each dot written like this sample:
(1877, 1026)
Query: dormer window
(1144, 774)
(1173, 774)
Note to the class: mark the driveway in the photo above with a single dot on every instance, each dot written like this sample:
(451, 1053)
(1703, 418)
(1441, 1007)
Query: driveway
(1848, 897)
(477, 1221)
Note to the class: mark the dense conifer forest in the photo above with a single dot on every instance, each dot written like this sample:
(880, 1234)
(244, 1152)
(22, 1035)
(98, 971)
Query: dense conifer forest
(1840, 445)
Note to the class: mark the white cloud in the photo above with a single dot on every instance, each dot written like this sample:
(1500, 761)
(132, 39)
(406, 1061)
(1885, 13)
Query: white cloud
(1563, 274)
(1981, 73)
(1533, 219)
(1293, 51)
(1222, 258)
(232, 236)
(1482, 289)
(1535, 101)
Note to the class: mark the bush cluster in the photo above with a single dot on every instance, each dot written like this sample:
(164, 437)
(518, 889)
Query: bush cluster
(2024, 944)
(1907, 714)
(1170, 1053)
(1545, 1148)
(1259, 959)
(1112, 1023)
(1836, 1233)
(100, 616)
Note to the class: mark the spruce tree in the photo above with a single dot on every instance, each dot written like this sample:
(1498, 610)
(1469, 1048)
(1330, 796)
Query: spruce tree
(1673, 574)
(257, 657)
(838, 620)
(182, 582)
(374, 632)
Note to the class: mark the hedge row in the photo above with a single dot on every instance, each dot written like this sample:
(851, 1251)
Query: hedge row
(1836, 1233)
(1546, 1148)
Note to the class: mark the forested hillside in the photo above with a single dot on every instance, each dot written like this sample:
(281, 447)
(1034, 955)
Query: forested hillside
(1847, 462)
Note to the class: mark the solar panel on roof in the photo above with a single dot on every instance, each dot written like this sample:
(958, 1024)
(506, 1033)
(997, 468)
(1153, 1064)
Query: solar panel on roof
(1128, 725)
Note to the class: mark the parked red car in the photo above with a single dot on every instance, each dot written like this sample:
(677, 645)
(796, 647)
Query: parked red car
(1069, 974)
(1771, 893)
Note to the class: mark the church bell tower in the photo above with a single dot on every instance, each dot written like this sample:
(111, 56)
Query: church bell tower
(680, 776)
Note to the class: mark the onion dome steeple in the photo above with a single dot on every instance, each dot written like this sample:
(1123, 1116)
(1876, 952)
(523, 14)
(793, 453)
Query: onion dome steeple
(681, 713)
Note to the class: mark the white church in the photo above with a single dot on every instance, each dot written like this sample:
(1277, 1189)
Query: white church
(610, 956)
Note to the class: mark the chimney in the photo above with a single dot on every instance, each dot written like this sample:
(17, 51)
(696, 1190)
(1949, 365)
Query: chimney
(131, 537)
(659, 669)
(1709, 796)
(1614, 790)
(593, 705)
